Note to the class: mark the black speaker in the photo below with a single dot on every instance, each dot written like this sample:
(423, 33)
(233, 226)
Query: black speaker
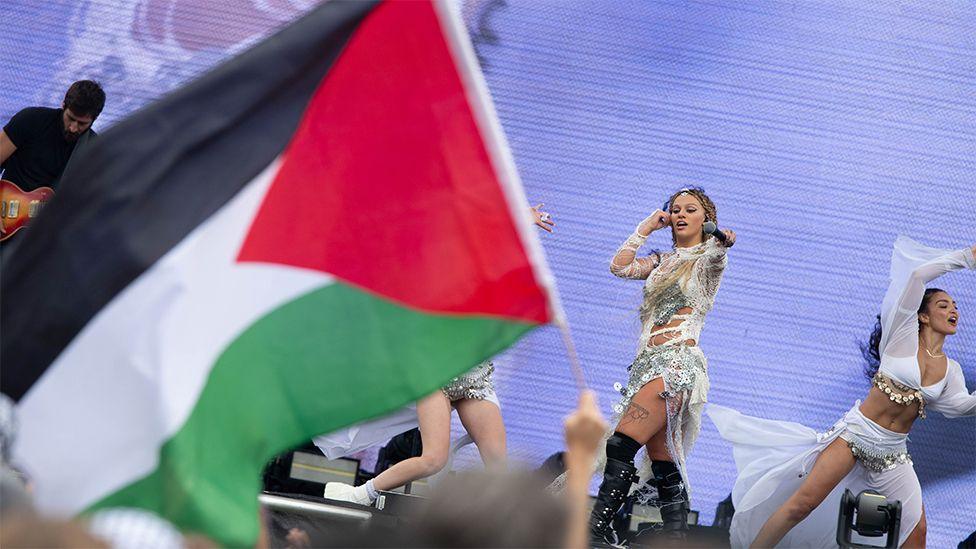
(305, 471)
(870, 514)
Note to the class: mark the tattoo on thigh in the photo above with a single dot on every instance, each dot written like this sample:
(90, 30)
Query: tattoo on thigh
(635, 412)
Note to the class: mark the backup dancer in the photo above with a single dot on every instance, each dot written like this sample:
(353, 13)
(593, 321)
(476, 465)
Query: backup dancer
(662, 402)
(791, 478)
(471, 394)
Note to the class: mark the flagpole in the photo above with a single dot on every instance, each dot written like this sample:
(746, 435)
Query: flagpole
(574, 362)
(504, 163)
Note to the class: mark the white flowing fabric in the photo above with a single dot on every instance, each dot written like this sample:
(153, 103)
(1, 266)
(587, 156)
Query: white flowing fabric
(774, 458)
(373, 432)
(912, 266)
(369, 433)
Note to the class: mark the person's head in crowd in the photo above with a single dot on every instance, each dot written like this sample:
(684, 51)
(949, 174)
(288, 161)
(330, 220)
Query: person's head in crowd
(30, 531)
(127, 528)
(470, 509)
(480, 509)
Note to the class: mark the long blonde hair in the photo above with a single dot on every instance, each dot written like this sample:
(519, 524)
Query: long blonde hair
(683, 273)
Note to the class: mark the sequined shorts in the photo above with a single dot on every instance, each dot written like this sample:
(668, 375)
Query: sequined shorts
(679, 365)
(874, 447)
(473, 384)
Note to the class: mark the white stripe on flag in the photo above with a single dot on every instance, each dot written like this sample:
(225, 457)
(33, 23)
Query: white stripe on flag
(96, 419)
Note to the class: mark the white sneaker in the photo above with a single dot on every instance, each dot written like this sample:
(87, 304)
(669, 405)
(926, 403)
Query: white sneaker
(343, 492)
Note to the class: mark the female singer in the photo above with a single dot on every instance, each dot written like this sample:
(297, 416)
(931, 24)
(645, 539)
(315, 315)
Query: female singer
(662, 401)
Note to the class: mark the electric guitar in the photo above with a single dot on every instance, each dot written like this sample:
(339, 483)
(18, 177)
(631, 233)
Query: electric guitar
(17, 207)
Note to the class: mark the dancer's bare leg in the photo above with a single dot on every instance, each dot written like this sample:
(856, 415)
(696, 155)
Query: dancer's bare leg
(833, 464)
(434, 417)
(917, 537)
(483, 421)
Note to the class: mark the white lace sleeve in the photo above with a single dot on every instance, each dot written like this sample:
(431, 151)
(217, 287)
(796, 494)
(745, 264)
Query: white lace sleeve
(625, 262)
(711, 266)
(912, 266)
(955, 400)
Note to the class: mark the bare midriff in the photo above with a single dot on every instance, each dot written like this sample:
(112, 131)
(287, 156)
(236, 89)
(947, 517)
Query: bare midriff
(879, 408)
(662, 334)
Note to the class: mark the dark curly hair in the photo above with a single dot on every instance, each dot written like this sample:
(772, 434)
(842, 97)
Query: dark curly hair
(85, 98)
(872, 349)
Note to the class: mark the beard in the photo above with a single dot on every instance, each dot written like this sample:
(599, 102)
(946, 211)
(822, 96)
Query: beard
(70, 137)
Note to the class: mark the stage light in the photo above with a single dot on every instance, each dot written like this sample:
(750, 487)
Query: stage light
(870, 514)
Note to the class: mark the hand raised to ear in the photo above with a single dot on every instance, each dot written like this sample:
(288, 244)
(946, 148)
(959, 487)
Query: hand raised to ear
(657, 220)
(542, 219)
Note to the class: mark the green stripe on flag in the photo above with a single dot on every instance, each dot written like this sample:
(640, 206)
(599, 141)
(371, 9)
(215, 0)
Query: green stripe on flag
(330, 358)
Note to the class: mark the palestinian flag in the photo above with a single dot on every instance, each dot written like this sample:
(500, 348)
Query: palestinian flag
(317, 232)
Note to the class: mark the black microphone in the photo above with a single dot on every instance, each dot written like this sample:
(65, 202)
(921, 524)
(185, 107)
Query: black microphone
(711, 228)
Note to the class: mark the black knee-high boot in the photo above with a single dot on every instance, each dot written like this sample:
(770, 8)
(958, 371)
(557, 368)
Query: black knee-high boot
(672, 494)
(618, 475)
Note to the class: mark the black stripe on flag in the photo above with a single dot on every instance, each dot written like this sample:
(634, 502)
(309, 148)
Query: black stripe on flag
(151, 179)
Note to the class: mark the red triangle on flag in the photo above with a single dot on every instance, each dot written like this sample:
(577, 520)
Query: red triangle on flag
(388, 183)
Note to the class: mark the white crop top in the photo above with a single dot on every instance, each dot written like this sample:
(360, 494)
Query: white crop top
(912, 266)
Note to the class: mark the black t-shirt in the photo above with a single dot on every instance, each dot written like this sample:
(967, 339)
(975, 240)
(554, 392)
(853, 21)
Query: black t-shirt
(42, 151)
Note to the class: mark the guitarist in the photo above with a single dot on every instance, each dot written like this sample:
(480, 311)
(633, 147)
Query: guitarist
(37, 143)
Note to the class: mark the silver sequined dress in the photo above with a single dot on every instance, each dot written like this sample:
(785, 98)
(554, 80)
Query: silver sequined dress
(475, 384)
(682, 279)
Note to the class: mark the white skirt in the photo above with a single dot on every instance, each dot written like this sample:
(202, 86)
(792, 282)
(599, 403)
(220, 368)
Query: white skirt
(774, 457)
